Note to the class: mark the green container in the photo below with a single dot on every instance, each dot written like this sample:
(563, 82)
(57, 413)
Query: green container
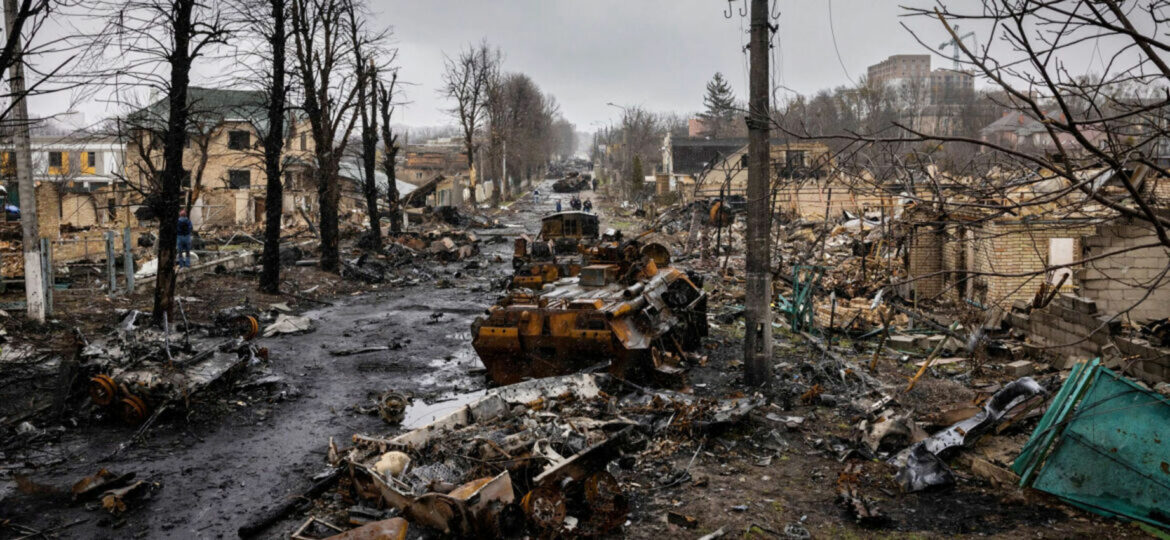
(1103, 445)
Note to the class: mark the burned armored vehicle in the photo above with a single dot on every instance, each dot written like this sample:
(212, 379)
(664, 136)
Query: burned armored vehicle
(556, 251)
(624, 310)
(573, 182)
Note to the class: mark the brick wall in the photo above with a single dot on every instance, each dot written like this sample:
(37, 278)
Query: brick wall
(1020, 248)
(925, 253)
(1119, 283)
(49, 210)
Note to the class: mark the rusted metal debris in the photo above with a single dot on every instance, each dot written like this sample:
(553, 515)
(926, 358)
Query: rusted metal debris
(863, 509)
(533, 458)
(555, 253)
(624, 309)
(136, 371)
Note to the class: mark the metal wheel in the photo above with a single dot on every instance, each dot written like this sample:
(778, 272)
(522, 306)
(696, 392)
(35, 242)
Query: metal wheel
(102, 390)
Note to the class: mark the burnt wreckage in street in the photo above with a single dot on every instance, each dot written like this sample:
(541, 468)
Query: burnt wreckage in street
(628, 307)
(554, 253)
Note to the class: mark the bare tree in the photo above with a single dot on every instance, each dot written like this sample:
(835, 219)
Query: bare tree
(330, 92)
(366, 49)
(466, 80)
(146, 35)
(267, 21)
(385, 99)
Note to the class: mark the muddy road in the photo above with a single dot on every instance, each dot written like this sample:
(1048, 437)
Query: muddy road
(246, 449)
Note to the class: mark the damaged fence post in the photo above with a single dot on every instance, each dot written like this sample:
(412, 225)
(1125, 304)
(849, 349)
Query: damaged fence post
(128, 255)
(47, 273)
(111, 267)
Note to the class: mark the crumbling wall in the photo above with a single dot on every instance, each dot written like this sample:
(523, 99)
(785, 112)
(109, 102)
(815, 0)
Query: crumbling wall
(925, 253)
(218, 208)
(48, 209)
(1071, 329)
(79, 210)
(1133, 281)
(1014, 255)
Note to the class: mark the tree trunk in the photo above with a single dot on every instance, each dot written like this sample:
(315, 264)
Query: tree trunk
(392, 189)
(273, 147)
(328, 195)
(757, 341)
(173, 142)
(470, 167)
(367, 96)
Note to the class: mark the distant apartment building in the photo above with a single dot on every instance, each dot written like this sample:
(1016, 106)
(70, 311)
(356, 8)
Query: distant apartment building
(914, 83)
(899, 68)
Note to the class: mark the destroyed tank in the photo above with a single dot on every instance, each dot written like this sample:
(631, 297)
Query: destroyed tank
(628, 308)
(556, 251)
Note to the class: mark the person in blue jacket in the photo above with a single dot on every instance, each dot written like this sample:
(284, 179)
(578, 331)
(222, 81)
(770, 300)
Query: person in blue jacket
(184, 230)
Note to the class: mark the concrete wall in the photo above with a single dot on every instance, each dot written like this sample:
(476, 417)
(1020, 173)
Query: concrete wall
(1072, 329)
(1133, 281)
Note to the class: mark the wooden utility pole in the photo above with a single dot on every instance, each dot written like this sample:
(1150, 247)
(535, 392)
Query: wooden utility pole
(34, 285)
(757, 343)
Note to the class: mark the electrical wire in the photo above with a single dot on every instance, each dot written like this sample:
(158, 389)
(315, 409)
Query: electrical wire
(833, 33)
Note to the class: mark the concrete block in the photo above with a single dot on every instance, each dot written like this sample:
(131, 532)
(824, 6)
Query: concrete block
(903, 342)
(1019, 368)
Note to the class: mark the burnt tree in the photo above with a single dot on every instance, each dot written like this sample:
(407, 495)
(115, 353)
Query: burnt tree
(466, 80)
(273, 147)
(320, 46)
(385, 97)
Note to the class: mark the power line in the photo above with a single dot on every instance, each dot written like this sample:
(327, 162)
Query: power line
(833, 33)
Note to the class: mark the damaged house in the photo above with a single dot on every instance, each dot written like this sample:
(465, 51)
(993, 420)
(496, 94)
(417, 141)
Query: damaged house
(224, 157)
(1081, 281)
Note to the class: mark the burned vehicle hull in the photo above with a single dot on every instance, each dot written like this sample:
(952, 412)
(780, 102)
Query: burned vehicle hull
(555, 253)
(633, 315)
(572, 183)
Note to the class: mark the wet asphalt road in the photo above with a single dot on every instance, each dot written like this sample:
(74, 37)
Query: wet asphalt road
(217, 473)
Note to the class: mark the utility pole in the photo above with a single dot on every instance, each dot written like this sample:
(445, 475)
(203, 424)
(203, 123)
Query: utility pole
(757, 343)
(34, 286)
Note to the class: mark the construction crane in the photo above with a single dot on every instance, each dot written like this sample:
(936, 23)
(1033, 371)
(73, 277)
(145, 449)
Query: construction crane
(954, 44)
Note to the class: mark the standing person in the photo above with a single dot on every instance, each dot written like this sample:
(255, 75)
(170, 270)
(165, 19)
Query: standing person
(558, 205)
(184, 230)
(588, 204)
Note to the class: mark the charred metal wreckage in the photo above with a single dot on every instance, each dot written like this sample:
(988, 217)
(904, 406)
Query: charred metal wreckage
(627, 308)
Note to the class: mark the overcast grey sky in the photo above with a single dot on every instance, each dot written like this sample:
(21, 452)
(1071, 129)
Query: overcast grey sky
(654, 53)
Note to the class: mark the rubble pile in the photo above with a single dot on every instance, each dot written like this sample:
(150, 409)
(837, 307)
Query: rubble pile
(404, 257)
(136, 370)
(549, 457)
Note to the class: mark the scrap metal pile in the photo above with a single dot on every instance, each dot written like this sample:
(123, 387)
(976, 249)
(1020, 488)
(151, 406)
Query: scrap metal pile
(137, 371)
(399, 259)
(536, 458)
(628, 308)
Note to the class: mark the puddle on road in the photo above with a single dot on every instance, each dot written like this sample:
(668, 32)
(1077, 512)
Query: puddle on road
(420, 414)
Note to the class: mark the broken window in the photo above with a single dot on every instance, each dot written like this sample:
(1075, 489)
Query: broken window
(240, 179)
(239, 140)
